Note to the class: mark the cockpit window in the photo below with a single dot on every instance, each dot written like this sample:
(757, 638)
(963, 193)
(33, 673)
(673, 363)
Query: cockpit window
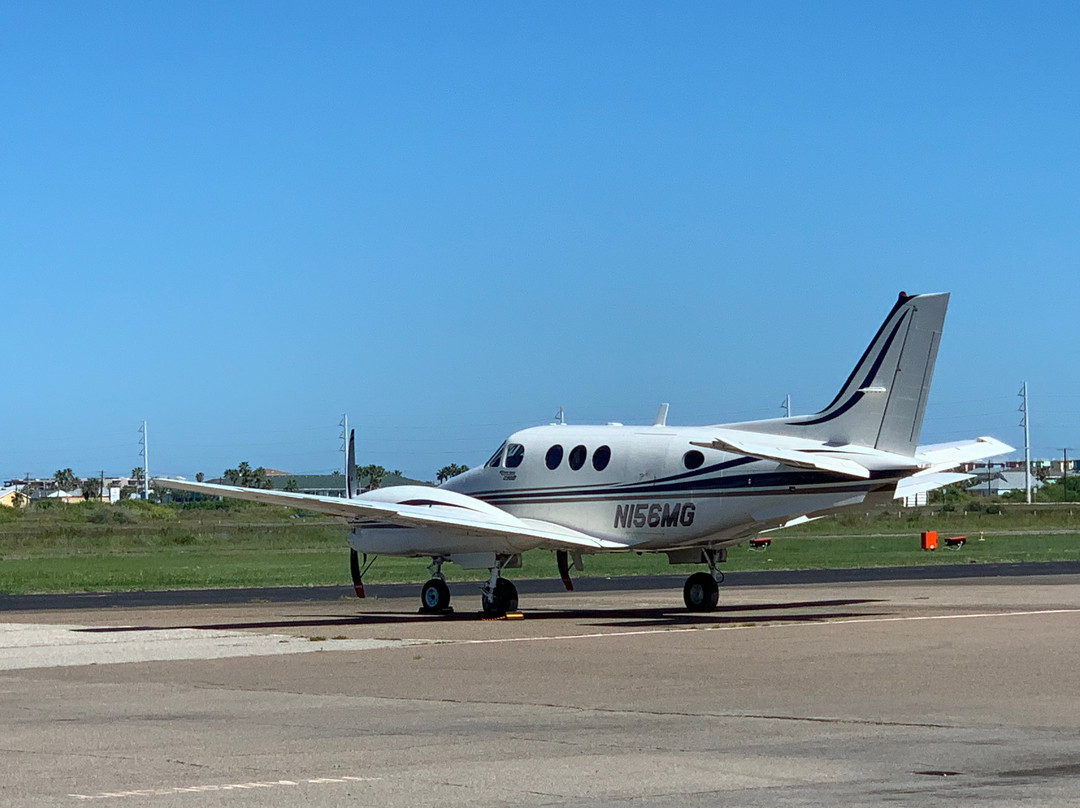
(577, 457)
(515, 453)
(496, 459)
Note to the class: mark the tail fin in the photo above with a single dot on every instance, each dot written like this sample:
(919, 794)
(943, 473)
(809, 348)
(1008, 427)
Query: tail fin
(883, 400)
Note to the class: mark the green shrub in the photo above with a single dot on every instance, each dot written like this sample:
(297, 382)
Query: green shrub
(8, 515)
(148, 510)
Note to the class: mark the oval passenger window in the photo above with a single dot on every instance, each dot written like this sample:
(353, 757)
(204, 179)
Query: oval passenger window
(601, 457)
(553, 457)
(693, 459)
(577, 457)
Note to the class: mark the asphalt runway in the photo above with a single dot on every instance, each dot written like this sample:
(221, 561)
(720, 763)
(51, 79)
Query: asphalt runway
(906, 692)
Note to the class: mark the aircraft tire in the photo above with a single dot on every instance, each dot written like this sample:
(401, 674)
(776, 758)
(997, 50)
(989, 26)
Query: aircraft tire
(700, 593)
(505, 598)
(435, 596)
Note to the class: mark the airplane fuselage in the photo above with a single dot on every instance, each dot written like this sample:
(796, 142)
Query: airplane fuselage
(650, 487)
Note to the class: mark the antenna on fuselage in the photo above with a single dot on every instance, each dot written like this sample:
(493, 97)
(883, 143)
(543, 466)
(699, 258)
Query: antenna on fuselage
(560, 417)
(661, 416)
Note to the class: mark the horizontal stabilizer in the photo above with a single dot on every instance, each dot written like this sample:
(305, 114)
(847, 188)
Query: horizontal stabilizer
(939, 458)
(851, 461)
(921, 483)
(942, 456)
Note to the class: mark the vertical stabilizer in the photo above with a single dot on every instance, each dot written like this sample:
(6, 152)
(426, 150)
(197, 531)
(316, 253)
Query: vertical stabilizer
(883, 400)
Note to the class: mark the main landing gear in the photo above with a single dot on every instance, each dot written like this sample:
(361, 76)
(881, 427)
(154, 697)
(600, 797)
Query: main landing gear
(702, 589)
(498, 596)
(435, 594)
(503, 598)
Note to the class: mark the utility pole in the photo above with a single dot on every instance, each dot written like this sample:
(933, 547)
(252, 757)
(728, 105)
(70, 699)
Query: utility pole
(786, 406)
(144, 441)
(1024, 422)
(1065, 474)
(344, 424)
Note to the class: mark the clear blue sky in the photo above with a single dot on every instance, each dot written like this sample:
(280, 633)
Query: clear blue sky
(240, 220)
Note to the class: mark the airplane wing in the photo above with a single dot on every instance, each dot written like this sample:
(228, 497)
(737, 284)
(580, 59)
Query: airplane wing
(411, 506)
(849, 460)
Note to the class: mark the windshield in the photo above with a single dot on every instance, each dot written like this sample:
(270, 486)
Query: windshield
(496, 459)
(515, 453)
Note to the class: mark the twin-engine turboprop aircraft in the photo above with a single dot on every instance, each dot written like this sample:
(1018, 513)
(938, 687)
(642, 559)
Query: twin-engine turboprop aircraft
(688, 492)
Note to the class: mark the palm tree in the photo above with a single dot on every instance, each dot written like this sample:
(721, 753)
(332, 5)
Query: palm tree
(453, 470)
(65, 479)
(91, 488)
(373, 474)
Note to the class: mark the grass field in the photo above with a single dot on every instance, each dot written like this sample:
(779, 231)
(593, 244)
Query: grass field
(88, 548)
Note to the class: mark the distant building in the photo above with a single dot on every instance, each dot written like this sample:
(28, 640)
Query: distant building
(326, 485)
(323, 485)
(61, 495)
(10, 496)
(1003, 482)
(45, 488)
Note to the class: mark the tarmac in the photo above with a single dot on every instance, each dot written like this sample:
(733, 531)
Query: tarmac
(842, 692)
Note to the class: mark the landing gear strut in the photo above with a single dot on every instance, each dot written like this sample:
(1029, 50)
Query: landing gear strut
(702, 589)
(435, 594)
(358, 571)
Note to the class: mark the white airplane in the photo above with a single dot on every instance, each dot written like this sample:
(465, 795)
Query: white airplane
(688, 492)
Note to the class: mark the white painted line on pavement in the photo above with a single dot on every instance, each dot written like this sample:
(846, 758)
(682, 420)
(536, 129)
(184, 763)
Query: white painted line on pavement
(202, 789)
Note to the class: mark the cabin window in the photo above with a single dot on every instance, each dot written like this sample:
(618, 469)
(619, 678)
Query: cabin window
(496, 459)
(553, 457)
(693, 459)
(577, 457)
(515, 453)
(601, 457)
